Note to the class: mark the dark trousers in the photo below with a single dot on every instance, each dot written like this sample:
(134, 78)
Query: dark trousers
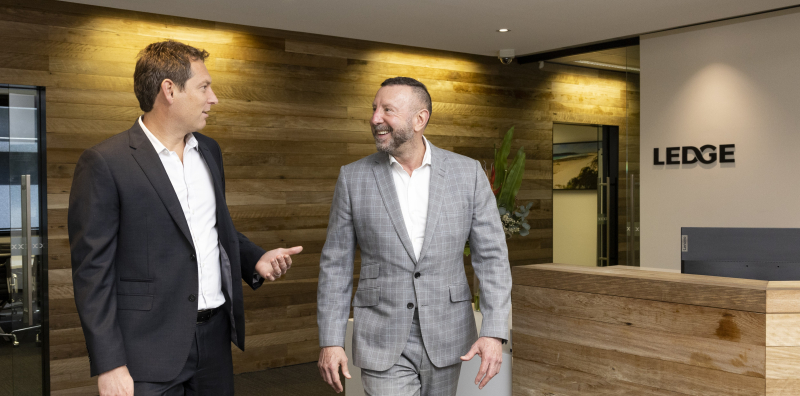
(209, 368)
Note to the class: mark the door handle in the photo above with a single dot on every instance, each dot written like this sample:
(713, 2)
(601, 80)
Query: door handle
(27, 251)
(608, 220)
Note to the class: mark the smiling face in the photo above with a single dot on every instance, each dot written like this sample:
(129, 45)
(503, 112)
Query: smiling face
(392, 120)
(192, 104)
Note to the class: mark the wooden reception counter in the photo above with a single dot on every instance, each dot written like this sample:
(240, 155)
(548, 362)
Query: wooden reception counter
(630, 331)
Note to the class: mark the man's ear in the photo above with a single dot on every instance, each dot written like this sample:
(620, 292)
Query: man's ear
(168, 89)
(421, 120)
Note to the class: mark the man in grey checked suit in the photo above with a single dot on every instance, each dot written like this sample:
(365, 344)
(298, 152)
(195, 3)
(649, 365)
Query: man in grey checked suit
(410, 208)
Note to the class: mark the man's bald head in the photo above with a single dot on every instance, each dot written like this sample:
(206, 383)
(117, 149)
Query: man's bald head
(420, 91)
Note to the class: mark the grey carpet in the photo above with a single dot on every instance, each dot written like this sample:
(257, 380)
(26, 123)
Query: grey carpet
(298, 380)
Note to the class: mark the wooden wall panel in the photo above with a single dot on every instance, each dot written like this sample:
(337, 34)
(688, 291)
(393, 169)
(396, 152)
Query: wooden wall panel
(293, 109)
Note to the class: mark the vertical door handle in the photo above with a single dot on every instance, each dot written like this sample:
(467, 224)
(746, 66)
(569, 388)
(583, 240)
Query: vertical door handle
(27, 250)
(608, 220)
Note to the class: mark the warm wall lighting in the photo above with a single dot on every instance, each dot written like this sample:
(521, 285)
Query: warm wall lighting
(503, 30)
(585, 62)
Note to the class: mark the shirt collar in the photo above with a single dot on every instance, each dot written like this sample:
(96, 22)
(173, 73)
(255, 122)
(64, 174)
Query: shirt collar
(426, 159)
(190, 140)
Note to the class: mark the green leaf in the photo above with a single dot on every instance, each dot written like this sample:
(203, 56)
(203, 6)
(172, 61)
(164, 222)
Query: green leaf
(514, 180)
(501, 159)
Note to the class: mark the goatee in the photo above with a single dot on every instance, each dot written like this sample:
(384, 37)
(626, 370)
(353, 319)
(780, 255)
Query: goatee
(397, 138)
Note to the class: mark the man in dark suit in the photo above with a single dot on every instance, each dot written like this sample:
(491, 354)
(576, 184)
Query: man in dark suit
(156, 260)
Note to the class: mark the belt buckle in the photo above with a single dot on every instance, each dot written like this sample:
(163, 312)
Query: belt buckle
(204, 315)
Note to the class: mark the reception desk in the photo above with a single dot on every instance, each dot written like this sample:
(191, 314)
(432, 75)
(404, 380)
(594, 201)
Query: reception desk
(630, 331)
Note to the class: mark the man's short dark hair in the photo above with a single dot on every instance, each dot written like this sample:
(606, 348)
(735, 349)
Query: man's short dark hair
(419, 89)
(160, 61)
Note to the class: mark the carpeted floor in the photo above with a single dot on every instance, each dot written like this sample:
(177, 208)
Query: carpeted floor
(298, 380)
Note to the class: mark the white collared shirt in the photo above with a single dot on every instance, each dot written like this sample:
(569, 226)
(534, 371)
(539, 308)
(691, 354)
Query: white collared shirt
(194, 187)
(412, 191)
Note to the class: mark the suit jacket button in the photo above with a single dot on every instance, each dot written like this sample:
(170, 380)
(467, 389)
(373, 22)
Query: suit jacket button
(410, 305)
(192, 298)
(194, 258)
(417, 275)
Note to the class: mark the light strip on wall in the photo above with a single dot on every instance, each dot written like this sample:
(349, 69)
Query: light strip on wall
(585, 62)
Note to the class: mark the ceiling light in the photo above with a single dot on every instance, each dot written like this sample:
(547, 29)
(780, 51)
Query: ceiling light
(585, 62)
(503, 30)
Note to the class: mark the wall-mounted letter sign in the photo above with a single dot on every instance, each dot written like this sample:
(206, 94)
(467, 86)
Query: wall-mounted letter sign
(690, 155)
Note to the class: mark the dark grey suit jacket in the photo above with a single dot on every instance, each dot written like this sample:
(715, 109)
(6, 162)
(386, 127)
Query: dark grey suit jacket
(133, 261)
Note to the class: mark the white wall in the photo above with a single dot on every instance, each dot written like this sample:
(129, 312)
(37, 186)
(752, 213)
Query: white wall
(735, 82)
(575, 227)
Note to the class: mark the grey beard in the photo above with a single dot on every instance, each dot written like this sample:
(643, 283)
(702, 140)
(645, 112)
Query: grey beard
(398, 139)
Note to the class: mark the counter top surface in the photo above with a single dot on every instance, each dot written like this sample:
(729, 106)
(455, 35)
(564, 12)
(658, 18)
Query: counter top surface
(634, 282)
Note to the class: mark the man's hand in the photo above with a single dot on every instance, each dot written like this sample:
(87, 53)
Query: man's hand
(330, 358)
(116, 382)
(276, 262)
(491, 352)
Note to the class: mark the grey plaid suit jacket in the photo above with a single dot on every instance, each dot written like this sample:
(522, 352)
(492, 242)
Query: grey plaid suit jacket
(366, 212)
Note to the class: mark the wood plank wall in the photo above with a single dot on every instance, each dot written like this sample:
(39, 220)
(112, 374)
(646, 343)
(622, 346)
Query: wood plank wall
(293, 109)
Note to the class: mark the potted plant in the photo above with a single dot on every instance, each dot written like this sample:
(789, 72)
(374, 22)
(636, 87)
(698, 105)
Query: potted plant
(506, 182)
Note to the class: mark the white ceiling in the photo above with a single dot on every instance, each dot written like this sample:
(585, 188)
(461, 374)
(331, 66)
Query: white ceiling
(468, 26)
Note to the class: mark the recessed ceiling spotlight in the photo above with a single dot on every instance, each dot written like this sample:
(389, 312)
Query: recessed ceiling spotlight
(503, 30)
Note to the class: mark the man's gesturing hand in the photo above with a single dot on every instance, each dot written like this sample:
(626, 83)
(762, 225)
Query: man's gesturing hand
(116, 382)
(330, 358)
(491, 352)
(276, 262)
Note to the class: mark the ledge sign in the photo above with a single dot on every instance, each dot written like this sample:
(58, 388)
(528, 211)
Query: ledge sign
(690, 155)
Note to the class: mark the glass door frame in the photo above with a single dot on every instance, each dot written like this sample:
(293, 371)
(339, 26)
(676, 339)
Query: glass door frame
(608, 197)
(42, 288)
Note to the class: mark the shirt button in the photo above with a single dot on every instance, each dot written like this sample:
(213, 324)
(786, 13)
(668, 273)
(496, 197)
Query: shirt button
(192, 298)
(410, 305)
(417, 275)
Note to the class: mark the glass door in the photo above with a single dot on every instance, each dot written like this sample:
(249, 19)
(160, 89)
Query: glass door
(607, 195)
(24, 367)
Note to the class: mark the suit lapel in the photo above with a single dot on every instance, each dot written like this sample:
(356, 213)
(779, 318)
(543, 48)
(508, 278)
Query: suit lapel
(383, 175)
(435, 196)
(145, 155)
(214, 168)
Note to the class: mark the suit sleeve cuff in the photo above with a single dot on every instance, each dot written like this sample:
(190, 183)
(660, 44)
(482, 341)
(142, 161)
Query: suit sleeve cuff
(257, 281)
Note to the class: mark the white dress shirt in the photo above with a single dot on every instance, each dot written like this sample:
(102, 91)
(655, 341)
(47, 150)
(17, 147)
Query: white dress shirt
(412, 191)
(194, 186)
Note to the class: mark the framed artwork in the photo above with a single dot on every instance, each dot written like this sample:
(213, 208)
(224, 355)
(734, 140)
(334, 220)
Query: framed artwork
(575, 165)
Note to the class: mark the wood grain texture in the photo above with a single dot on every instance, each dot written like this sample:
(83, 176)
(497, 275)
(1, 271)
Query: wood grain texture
(719, 355)
(783, 387)
(783, 363)
(293, 109)
(531, 378)
(581, 330)
(726, 293)
(684, 319)
(783, 297)
(635, 369)
(783, 330)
